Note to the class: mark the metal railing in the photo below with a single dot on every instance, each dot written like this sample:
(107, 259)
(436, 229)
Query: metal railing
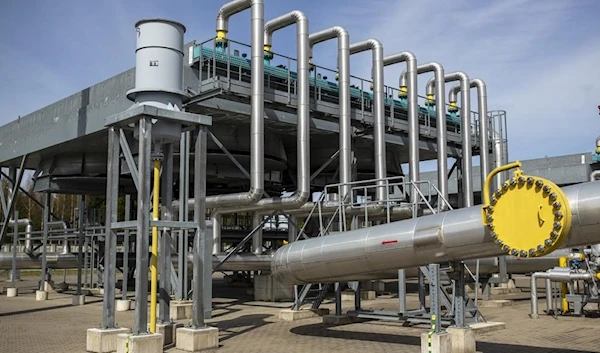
(233, 64)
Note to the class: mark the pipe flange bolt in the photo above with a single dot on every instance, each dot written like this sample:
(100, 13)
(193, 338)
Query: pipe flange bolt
(531, 219)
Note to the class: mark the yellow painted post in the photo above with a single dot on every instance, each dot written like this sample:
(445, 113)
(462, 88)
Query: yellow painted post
(562, 262)
(154, 255)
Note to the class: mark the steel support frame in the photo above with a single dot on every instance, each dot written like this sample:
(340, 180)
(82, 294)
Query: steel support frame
(143, 225)
(126, 244)
(13, 198)
(199, 250)
(110, 238)
(45, 220)
(80, 241)
(165, 263)
(434, 294)
(184, 192)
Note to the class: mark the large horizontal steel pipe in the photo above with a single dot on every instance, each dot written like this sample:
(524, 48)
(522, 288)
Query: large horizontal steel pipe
(449, 236)
(252, 262)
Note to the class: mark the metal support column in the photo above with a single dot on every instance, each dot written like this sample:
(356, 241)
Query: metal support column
(110, 238)
(421, 289)
(459, 295)
(402, 292)
(357, 303)
(80, 239)
(126, 248)
(338, 299)
(45, 220)
(13, 275)
(143, 227)
(434, 295)
(166, 188)
(13, 198)
(200, 236)
(184, 182)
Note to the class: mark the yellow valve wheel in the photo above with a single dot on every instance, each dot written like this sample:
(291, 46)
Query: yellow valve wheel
(527, 216)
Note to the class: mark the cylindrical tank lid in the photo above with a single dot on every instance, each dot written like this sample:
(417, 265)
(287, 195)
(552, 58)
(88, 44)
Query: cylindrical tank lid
(148, 20)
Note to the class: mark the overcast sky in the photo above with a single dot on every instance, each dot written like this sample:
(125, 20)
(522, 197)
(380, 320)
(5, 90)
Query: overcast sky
(540, 59)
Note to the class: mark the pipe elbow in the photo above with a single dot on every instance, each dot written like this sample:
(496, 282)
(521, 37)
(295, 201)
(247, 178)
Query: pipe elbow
(402, 79)
(480, 85)
(453, 93)
(254, 195)
(231, 8)
(430, 86)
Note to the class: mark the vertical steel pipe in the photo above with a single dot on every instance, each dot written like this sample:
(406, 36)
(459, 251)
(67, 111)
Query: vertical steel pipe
(465, 129)
(413, 113)
(484, 160)
(345, 137)
(440, 108)
(378, 109)
(256, 101)
(257, 237)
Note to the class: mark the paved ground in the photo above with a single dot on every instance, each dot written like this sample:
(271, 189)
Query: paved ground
(248, 326)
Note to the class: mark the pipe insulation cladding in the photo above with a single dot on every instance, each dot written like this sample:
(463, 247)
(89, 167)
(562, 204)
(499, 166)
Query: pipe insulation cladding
(448, 236)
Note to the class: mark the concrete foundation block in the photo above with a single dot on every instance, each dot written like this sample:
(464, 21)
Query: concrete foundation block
(440, 343)
(338, 319)
(103, 341)
(78, 300)
(463, 339)
(494, 303)
(294, 315)
(364, 295)
(12, 292)
(123, 305)
(41, 295)
(167, 331)
(484, 327)
(503, 290)
(196, 340)
(181, 309)
(148, 343)
(267, 288)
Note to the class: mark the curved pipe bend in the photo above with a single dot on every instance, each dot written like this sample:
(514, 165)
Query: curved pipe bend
(484, 122)
(465, 115)
(345, 133)
(254, 194)
(442, 139)
(378, 108)
(413, 112)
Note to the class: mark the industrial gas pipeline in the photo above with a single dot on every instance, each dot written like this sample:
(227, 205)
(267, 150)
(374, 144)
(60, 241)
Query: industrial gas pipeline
(527, 216)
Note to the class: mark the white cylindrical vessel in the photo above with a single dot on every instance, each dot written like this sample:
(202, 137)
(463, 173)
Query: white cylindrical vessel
(159, 73)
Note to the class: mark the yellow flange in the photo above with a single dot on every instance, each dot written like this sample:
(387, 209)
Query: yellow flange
(527, 216)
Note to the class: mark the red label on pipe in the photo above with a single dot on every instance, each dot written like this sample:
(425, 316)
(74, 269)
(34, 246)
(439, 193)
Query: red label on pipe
(388, 242)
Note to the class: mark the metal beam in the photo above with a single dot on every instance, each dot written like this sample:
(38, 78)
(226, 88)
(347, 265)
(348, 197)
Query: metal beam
(45, 219)
(13, 199)
(324, 165)
(126, 248)
(110, 239)
(166, 239)
(21, 189)
(129, 158)
(80, 239)
(200, 219)
(143, 227)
